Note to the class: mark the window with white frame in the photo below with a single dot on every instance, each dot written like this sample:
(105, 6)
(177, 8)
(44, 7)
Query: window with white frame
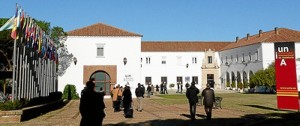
(243, 58)
(209, 59)
(148, 60)
(164, 60)
(250, 57)
(257, 55)
(195, 79)
(194, 60)
(100, 50)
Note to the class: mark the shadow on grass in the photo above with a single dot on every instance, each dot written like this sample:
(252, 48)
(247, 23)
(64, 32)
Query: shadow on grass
(272, 119)
(39, 110)
(261, 107)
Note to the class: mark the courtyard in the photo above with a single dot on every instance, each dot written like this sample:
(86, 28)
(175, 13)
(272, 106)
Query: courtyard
(237, 109)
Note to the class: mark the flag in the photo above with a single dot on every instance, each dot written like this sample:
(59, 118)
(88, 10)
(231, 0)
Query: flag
(16, 24)
(8, 25)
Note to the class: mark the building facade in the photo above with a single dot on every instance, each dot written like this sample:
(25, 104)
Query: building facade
(115, 56)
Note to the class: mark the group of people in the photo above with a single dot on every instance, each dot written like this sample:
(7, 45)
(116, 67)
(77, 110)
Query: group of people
(179, 87)
(92, 103)
(208, 99)
(163, 88)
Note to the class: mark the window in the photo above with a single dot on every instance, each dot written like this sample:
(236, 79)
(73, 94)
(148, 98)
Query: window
(187, 79)
(102, 80)
(179, 79)
(231, 58)
(250, 58)
(148, 80)
(243, 58)
(194, 60)
(195, 79)
(209, 59)
(163, 60)
(164, 79)
(257, 55)
(100, 50)
(147, 60)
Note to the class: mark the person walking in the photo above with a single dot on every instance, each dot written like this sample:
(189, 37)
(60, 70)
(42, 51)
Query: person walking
(208, 100)
(191, 94)
(152, 89)
(162, 89)
(127, 101)
(139, 92)
(90, 107)
(148, 91)
(157, 88)
(117, 96)
(165, 87)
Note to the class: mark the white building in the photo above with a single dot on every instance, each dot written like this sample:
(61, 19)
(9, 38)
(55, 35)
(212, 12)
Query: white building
(115, 56)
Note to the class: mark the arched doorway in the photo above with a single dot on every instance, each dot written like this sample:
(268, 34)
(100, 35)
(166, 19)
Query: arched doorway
(233, 78)
(245, 79)
(102, 79)
(227, 79)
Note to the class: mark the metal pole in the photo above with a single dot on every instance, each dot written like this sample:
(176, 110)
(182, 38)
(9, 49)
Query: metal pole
(14, 67)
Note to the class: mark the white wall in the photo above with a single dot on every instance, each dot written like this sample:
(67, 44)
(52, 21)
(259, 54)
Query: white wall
(115, 49)
(237, 66)
(173, 67)
(267, 54)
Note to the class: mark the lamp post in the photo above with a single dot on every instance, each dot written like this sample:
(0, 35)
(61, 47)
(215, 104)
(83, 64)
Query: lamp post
(125, 61)
(75, 60)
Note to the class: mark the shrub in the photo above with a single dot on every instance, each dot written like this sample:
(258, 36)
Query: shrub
(70, 92)
(240, 85)
(172, 85)
(9, 105)
(233, 84)
(227, 84)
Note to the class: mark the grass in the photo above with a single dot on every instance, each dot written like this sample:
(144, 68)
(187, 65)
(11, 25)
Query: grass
(249, 103)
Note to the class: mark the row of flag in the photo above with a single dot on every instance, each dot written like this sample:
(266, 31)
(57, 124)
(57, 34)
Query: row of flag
(24, 27)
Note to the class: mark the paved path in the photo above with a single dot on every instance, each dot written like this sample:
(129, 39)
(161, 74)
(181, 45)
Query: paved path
(153, 114)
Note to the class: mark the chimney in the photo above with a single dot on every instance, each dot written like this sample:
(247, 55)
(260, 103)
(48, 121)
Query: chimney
(248, 36)
(276, 31)
(236, 39)
(260, 33)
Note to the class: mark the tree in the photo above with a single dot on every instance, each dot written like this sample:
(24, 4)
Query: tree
(264, 77)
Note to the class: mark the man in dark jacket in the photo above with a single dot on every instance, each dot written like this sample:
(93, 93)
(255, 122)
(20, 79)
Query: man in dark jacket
(127, 100)
(191, 94)
(208, 101)
(139, 92)
(91, 106)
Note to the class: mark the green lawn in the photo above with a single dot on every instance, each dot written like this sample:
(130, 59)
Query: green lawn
(249, 103)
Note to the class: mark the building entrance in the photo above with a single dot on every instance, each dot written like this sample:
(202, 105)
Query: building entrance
(102, 80)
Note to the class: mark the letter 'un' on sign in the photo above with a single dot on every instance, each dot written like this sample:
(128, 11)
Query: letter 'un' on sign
(286, 78)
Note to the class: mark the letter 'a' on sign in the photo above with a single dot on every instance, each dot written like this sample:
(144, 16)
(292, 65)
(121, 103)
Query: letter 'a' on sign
(282, 63)
(286, 84)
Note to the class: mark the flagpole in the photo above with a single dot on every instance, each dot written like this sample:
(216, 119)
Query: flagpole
(14, 70)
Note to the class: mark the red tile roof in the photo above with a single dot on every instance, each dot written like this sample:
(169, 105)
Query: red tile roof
(181, 46)
(100, 29)
(283, 35)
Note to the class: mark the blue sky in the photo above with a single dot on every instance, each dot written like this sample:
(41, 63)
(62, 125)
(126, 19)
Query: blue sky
(166, 20)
